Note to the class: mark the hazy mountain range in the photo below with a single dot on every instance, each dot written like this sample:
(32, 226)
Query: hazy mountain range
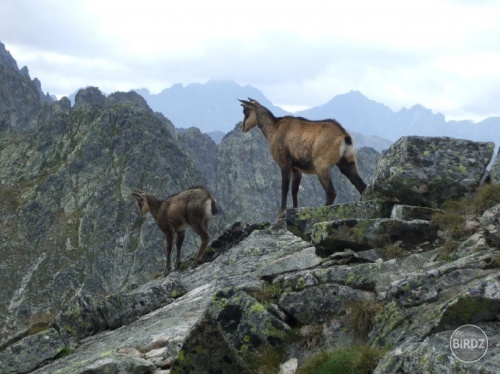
(213, 106)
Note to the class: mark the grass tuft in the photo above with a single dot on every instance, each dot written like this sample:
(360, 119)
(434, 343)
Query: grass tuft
(361, 317)
(348, 360)
(266, 360)
(391, 251)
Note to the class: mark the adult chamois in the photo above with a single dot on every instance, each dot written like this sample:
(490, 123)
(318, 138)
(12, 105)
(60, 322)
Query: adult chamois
(301, 146)
(192, 207)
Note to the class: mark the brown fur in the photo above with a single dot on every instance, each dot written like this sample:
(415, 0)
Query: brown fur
(189, 208)
(301, 146)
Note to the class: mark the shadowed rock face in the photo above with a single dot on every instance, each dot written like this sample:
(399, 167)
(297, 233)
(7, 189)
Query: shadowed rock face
(69, 223)
(21, 98)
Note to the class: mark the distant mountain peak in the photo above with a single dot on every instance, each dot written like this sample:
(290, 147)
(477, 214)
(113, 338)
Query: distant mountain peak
(6, 58)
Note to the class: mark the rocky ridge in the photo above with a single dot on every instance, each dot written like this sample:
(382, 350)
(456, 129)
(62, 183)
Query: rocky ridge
(21, 98)
(266, 284)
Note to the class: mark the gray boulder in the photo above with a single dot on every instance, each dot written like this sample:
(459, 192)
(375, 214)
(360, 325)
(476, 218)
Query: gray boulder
(424, 171)
(433, 355)
(318, 304)
(363, 234)
(81, 317)
(490, 220)
(30, 352)
(408, 212)
(124, 307)
(300, 221)
(246, 325)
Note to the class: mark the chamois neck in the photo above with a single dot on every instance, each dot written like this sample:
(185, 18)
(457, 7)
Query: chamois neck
(154, 205)
(267, 123)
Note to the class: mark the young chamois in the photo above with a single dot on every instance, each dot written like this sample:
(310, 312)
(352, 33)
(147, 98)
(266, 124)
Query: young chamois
(301, 146)
(192, 207)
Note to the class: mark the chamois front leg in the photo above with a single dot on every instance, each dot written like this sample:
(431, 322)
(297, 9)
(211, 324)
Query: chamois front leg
(169, 236)
(296, 178)
(326, 182)
(178, 246)
(201, 230)
(285, 186)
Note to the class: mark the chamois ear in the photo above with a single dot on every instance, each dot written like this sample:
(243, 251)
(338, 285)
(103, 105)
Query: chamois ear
(253, 101)
(139, 195)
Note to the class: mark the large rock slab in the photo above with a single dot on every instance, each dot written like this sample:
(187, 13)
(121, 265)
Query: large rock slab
(122, 308)
(80, 318)
(427, 171)
(361, 235)
(478, 303)
(246, 325)
(433, 355)
(184, 323)
(300, 221)
(318, 304)
(31, 352)
(166, 327)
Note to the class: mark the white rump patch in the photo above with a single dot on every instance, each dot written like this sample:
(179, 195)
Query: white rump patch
(208, 208)
(346, 150)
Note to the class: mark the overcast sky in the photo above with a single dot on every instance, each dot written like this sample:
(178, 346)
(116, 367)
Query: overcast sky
(442, 54)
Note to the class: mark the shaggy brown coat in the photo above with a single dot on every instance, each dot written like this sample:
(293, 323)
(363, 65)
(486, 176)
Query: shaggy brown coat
(192, 207)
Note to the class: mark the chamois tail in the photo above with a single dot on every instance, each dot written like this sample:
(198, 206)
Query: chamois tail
(215, 208)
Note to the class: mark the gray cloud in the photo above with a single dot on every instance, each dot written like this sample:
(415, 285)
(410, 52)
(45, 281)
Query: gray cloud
(397, 60)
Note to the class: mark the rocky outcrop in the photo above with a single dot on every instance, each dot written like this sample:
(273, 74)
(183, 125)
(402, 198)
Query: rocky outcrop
(204, 152)
(69, 224)
(21, 99)
(427, 171)
(271, 283)
(91, 97)
(6, 58)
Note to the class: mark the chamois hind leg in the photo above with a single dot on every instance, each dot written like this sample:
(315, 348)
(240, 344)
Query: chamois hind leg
(178, 246)
(296, 178)
(326, 182)
(285, 186)
(169, 237)
(200, 229)
(350, 170)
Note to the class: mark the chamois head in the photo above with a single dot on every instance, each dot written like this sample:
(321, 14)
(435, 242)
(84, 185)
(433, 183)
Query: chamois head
(142, 201)
(250, 119)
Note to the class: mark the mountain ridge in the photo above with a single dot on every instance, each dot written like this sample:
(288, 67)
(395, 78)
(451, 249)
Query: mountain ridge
(212, 106)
